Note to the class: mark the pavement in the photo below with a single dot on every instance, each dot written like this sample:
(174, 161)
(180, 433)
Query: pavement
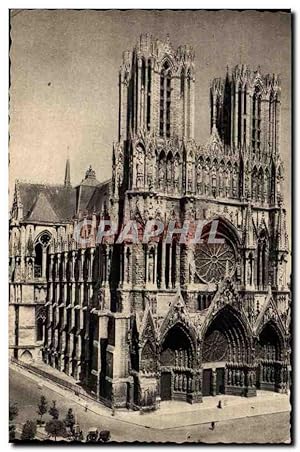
(175, 421)
(178, 414)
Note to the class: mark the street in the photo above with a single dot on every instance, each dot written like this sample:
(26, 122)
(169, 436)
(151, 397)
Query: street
(273, 428)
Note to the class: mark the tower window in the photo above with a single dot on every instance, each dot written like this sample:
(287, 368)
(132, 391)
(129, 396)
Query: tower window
(143, 74)
(245, 101)
(182, 83)
(165, 101)
(41, 251)
(239, 116)
(256, 119)
(148, 115)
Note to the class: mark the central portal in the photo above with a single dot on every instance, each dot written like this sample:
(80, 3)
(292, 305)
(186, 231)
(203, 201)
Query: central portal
(213, 379)
(224, 354)
(176, 363)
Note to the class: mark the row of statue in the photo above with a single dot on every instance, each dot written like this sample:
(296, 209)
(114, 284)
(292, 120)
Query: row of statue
(239, 377)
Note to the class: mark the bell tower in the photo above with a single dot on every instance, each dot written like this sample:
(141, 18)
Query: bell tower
(157, 90)
(245, 109)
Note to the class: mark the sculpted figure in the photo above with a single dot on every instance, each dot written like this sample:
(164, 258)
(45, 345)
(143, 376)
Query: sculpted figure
(192, 271)
(29, 271)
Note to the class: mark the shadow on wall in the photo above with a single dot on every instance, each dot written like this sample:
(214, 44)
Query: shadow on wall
(26, 357)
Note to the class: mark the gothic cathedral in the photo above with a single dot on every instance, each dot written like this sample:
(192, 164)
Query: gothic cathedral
(138, 323)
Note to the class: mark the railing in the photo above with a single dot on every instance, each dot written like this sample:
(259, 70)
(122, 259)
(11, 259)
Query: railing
(60, 381)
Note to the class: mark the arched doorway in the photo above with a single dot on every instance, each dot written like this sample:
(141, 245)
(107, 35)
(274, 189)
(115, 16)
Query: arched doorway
(225, 354)
(176, 362)
(269, 356)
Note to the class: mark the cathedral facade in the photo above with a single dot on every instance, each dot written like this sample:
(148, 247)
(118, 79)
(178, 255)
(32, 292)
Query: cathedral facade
(137, 323)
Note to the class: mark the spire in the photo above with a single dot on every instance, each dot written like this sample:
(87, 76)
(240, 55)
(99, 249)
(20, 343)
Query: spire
(67, 174)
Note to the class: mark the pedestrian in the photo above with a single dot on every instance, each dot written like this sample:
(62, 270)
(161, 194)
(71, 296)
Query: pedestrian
(220, 404)
(86, 407)
(212, 425)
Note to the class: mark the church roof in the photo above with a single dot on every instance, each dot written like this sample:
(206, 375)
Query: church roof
(47, 203)
(52, 204)
(100, 193)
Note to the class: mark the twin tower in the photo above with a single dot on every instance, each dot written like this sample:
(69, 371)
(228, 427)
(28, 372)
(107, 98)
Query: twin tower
(157, 95)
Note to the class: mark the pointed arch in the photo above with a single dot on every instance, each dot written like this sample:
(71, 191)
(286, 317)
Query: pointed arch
(262, 272)
(177, 337)
(148, 359)
(26, 356)
(226, 229)
(230, 334)
(177, 360)
(270, 346)
(42, 244)
(169, 167)
(270, 313)
(271, 333)
(177, 314)
(167, 64)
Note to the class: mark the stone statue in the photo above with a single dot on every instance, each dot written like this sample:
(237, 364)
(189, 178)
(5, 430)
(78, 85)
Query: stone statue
(189, 179)
(18, 272)
(176, 173)
(169, 170)
(242, 379)
(192, 269)
(199, 178)
(249, 272)
(150, 173)
(150, 269)
(139, 170)
(161, 174)
(206, 180)
(29, 270)
(281, 274)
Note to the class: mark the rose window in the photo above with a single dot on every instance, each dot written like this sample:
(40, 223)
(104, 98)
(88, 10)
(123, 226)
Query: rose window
(214, 261)
(215, 347)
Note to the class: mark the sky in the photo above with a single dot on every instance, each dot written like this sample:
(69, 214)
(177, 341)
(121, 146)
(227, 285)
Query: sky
(64, 79)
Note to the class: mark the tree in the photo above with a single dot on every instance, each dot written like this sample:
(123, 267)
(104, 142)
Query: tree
(42, 407)
(28, 431)
(55, 428)
(69, 419)
(53, 411)
(13, 411)
(12, 433)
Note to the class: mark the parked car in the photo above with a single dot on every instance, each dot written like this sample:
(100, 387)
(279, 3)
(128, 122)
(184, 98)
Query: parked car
(92, 435)
(104, 436)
